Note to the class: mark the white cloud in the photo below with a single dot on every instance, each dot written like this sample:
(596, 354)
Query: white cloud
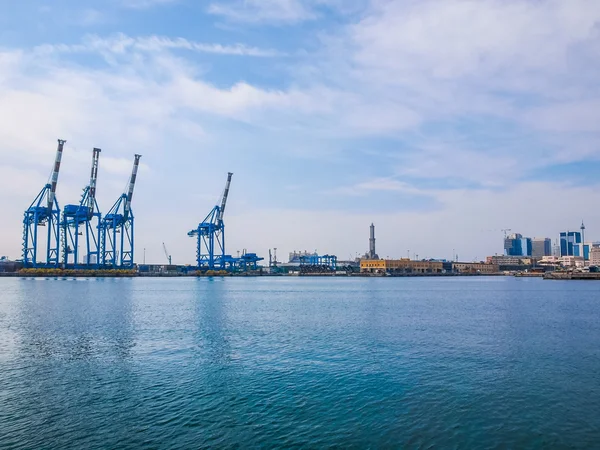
(468, 222)
(377, 185)
(516, 82)
(121, 44)
(289, 11)
(91, 17)
(479, 91)
(281, 11)
(473, 39)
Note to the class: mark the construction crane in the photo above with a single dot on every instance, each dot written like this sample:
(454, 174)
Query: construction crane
(167, 253)
(210, 234)
(87, 215)
(44, 211)
(117, 251)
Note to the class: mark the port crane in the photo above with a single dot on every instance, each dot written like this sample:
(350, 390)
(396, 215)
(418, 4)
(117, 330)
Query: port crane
(167, 253)
(117, 241)
(85, 215)
(210, 234)
(44, 211)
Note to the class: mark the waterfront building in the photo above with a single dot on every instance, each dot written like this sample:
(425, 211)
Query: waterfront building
(505, 263)
(541, 247)
(571, 244)
(569, 241)
(475, 268)
(405, 265)
(517, 245)
(595, 256)
(571, 261)
(503, 260)
(552, 260)
(373, 265)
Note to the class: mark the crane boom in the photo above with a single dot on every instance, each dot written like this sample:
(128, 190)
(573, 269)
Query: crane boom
(136, 163)
(167, 253)
(224, 200)
(54, 179)
(93, 179)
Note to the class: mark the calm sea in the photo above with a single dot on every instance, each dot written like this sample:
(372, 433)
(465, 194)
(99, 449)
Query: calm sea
(299, 362)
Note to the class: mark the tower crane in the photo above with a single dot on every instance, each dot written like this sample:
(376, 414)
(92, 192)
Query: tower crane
(44, 211)
(167, 253)
(210, 234)
(117, 251)
(86, 214)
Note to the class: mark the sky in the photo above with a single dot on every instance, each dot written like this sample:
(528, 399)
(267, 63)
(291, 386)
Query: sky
(443, 122)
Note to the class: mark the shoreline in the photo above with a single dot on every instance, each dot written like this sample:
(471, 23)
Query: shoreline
(44, 273)
(58, 274)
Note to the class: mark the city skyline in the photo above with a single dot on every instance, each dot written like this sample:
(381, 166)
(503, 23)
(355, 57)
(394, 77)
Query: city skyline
(331, 115)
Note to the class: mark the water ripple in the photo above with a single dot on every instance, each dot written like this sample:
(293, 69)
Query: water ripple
(299, 363)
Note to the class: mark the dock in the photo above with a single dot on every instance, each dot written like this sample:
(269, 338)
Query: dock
(572, 276)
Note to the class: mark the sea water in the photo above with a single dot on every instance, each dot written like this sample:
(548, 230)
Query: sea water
(460, 362)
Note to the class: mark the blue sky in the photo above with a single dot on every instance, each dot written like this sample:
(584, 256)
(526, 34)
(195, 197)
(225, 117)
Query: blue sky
(441, 121)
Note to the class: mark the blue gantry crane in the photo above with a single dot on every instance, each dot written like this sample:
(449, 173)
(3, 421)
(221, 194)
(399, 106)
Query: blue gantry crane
(210, 249)
(117, 231)
(83, 220)
(44, 211)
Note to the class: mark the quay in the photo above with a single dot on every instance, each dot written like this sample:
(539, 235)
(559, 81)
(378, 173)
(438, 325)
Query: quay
(572, 276)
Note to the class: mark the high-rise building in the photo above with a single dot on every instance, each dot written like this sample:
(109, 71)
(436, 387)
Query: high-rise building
(541, 247)
(569, 243)
(517, 245)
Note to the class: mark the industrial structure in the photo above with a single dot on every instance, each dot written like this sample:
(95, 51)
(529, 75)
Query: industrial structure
(83, 220)
(117, 237)
(210, 248)
(107, 241)
(44, 211)
(167, 254)
(210, 244)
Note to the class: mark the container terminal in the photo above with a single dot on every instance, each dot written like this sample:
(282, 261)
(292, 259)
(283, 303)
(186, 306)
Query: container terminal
(52, 238)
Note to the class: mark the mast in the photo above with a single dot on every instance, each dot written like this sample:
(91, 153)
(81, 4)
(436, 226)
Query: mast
(54, 179)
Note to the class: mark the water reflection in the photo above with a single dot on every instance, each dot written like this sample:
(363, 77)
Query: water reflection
(212, 333)
(66, 319)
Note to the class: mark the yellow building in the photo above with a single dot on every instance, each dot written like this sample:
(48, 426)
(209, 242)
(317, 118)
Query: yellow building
(372, 265)
(400, 265)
